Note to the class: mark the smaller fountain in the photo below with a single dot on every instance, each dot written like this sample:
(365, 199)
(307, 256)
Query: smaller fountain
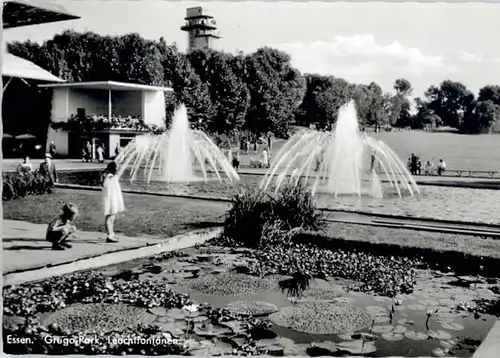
(342, 162)
(174, 155)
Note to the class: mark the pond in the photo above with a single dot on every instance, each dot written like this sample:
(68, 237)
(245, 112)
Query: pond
(325, 316)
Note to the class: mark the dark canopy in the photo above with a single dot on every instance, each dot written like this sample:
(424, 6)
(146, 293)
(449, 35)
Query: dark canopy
(19, 13)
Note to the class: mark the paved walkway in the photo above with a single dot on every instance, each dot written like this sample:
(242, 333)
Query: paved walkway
(25, 247)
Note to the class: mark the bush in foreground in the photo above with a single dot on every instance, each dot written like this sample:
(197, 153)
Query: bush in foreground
(258, 219)
(21, 184)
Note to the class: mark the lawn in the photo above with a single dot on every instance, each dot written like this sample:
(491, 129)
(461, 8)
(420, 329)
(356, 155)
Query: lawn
(476, 246)
(156, 216)
(465, 152)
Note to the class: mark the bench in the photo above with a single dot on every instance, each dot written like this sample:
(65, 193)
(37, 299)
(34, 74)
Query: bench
(472, 173)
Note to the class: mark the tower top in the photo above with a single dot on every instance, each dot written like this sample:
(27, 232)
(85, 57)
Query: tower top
(196, 13)
(201, 28)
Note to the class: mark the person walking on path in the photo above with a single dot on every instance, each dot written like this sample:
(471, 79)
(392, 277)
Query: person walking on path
(112, 200)
(270, 141)
(61, 228)
(48, 169)
(52, 149)
(265, 159)
(441, 167)
(236, 161)
(90, 155)
(100, 154)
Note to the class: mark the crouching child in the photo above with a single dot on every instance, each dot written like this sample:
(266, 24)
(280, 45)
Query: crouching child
(61, 228)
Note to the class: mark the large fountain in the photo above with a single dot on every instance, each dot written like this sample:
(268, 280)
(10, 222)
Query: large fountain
(175, 155)
(344, 161)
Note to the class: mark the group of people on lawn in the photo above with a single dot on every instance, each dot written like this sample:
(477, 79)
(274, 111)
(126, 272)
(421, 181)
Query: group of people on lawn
(431, 167)
(61, 228)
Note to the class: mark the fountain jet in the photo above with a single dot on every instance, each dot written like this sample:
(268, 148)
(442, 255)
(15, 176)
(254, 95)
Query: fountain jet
(344, 161)
(174, 155)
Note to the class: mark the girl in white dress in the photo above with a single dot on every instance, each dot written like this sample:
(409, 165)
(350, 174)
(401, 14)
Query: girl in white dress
(112, 199)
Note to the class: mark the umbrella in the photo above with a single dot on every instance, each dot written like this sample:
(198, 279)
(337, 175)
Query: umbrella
(7, 135)
(25, 136)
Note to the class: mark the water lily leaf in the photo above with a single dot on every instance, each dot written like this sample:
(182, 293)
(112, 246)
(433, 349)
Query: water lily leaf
(393, 337)
(382, 329)
(416, 307)
(416, 336)
(399, 329)
(452, 326)
(439, 334)
(176, 313)
(357, 347)
(158, 311)
(438, 352)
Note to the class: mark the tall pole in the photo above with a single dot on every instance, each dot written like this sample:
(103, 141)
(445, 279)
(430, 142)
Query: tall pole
(110, 110)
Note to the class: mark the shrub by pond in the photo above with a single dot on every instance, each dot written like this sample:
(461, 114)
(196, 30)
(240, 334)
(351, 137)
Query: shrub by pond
(22, 183)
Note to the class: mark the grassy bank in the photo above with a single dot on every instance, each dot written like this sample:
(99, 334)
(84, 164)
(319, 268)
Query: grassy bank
(146, 215)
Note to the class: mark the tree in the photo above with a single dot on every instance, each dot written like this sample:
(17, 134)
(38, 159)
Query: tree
(482, 118)
(450, 101)
(370, 104)
(276, 91)
(323, 98)
(489, 93)
(229, 94)
(425, 117)
(403, 87)
(187, 85)
(140, 60)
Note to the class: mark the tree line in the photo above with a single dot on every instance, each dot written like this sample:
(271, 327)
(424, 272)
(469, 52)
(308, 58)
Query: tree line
(256, 92)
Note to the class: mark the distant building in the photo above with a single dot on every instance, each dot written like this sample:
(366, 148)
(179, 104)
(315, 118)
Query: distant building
(107, 112)
(201, 29)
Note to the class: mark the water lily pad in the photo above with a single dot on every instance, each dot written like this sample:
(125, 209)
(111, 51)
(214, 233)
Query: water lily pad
(158, 311)
(405, 321)
(322, 349)
(176, 313)
(192, 268)
(381, 319)
(429, 302)
(209, 330)
(357, 347)
(416, 307)
(364, 336)
(174, 328)
(416, 336)
(346, 336)
(321, 318)
(439, 334)
(376, 310)
(229, 284)
(197, 319)
(99, 317)
(399, 329)
(343, 299)
(452, 326)
(447, 302)
(382, 329)
(252, 308)
(165, 319)
(382, 299)
(392, 337)
(218, 349)
(438, 352)
(446, 344)
(236, 326)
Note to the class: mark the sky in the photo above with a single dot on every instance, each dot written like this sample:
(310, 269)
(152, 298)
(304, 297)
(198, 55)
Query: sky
(425, 43)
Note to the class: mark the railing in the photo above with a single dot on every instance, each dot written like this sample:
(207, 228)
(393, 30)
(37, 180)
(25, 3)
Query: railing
(466, 173)
(102, 122)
